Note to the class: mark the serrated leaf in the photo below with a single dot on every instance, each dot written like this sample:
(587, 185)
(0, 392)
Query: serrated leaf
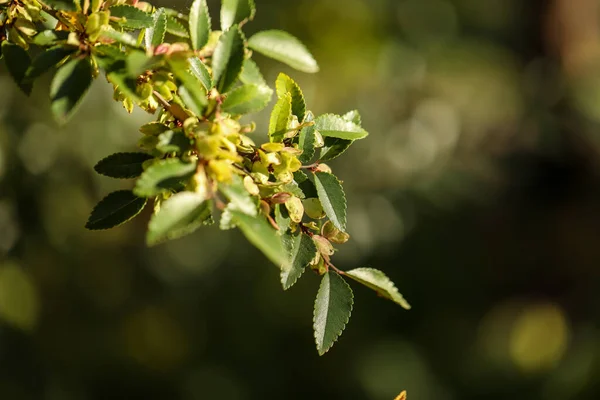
(200, 24)
(179, 215)
(122, 165)
(69, 86)
(280, 118)
(307, 140)
(134, 17)
(283, 47)
(155, 34)
(258, 232)
(164, 175)
(192, 92)
(333, 148)
(247, 99)
(50, 37)
(175, 28)
(332, 197)
(333, 307)
(285, 84)
(236, 11)
(228, 58)
(115, 209)
(47, 60)
(302, 251)
(201, 72)
(17, 62)
(353, 116)
(378, 281)
(331, 125)
(251, 74)
(240, 199)
(138, 63)
(282, 218)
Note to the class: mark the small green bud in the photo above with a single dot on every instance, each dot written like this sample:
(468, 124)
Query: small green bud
(313, 208)
(323, 245)
(295, 209)
(250, 186)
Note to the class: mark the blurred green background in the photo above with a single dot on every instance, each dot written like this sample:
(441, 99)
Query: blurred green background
(478, 193)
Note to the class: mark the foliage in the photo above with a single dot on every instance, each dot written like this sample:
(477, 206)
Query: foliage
(198, 161)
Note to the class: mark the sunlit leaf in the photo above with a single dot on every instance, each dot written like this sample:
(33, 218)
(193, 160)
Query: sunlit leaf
(285, 84)
(236, 11)
(155, 34)
(247, 99)
(331, 125)
(378, 281)
(133, 17)
(200, 24)
(280, 118)
(179, 215)
(240, 199)
(201, 72)
(228, 58)
(284, 47)
(251, 75)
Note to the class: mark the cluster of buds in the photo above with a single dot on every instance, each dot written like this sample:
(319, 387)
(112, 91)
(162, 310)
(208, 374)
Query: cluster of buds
(18, 19)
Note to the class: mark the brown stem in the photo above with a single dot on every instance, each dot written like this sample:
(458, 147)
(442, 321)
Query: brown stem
(177, 112)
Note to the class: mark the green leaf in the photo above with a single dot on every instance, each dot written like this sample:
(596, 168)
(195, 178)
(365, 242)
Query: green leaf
(331, 125)
(285, 84)
(307, 140)
(175, 28)
(50, 37)
(251, 74)
(302, 251)
(200, 24)
(122, 165)
(228, 58)
(333, 307)
(236, 11)
(192, 92)
(258, 232)
(115, 209)
(138, 63)
(247, 99)
(134, 17)
(120, 37)
(378, 281)
(173, 142)
(155, 35)
(179, 215)
(164, 175)
(332, 197)
(281, 117)
(47, 60)
(201, 72)
(17, 62)
(333, 148)
(282, 218)
(69, 86)
(240, 199)
(285, 48)
(305, 184)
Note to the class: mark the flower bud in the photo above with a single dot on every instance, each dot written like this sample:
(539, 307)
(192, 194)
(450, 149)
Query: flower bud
(295, 209)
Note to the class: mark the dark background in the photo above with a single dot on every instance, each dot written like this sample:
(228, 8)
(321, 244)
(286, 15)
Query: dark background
(478, 193)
